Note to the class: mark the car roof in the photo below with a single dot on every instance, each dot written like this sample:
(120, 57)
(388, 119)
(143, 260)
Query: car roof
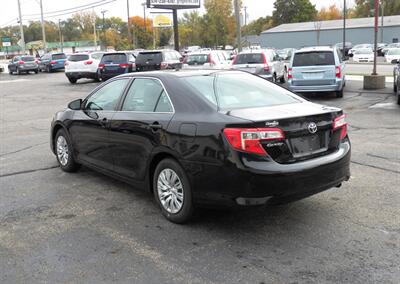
(178, 73)
(314, 48)
(264, 50)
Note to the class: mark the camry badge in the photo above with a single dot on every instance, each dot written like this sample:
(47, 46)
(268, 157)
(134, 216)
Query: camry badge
(272, 123)
(312, 127)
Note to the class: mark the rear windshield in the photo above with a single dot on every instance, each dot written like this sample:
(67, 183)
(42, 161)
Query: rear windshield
(239, 90)
(151, 57)
(59, 56)
(28, 58)
(78, 57)
(250, 58)
(313, 58)
(197, 59)
(116, 58)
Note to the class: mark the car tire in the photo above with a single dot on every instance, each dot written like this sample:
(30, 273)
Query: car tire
(394, 88)
(283, 78)
(36, 71)
(274, 78)
(19, 71)
(170, 180)
(10, 72)
(64, 152)
(48, 69)
(72, 80)
(339, 94)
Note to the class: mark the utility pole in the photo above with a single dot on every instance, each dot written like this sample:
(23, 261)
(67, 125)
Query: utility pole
(382, 14)
(376, 34)
(60, 35)
(43, 30)
(344, 31)
(176, 30)
(238, 32)
(21, 28)
(94, 30)
(245, 15)
(104, 33)
(144, 16)
(129, 25)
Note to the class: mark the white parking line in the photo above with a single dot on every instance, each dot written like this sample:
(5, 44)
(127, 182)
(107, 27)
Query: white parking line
(14, 81)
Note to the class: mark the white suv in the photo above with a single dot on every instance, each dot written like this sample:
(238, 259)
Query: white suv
(83, 65)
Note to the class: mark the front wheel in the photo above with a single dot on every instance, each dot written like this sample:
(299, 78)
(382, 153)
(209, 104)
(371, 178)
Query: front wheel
(172, 191)
(19, 71)
(64, 152)
(72, 80)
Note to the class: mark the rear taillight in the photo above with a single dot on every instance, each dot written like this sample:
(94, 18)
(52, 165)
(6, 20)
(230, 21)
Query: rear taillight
(340, 124)
(88, 62)
(211, 60)
(338, 72)
(289, 73)
(101, 66)
(124, 65)
(266, 67)
(234, 60)
(249, 139)
(53, 63)
(21, 62)
(164, 65)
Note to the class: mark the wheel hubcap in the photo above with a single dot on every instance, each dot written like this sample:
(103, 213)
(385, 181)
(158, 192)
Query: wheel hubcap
(170, 191)
(62, 150)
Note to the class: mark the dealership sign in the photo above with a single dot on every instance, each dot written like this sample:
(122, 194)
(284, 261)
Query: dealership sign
(173, 4)
(6, 41)
(162, 21)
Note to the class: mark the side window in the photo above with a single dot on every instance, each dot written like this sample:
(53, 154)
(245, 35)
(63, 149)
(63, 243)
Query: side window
(107, 97)
(16, 59)
(143, 95)
(164, 104)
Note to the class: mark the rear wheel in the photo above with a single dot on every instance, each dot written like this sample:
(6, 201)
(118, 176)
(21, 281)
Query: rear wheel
(18, 71)
(64, 152)
(48, 69)
(172, 191)
(72, 80)
(274, 78)
(339, 94)
(36, 71)
(394, 87)
(283, 78)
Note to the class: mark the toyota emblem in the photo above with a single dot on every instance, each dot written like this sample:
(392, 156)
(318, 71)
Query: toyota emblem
(312, 127)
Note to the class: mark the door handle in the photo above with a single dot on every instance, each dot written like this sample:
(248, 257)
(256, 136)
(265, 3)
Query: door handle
(103, 122)
(155, 126)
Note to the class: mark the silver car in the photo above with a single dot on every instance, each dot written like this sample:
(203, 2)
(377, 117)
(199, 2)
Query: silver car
(317, 69)
(265, 63)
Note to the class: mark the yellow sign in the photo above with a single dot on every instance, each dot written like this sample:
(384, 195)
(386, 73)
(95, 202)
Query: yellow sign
(162, 21)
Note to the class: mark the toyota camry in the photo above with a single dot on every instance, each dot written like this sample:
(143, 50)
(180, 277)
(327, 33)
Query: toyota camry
(203, 137)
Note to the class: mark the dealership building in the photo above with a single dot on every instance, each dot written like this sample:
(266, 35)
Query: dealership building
(358, 31)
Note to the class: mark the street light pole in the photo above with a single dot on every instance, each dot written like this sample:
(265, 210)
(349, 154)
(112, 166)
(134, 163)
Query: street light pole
(104, 34)
(238, 32)
(21, 28)
(144, 16)
(344, 31)
(43, 29)
(382, 13)
(376, 34)
(129, 25)
(245, 15)
(60, 35)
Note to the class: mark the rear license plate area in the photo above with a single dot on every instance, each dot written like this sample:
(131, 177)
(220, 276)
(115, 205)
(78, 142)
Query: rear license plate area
(313, 75)
(309, 145)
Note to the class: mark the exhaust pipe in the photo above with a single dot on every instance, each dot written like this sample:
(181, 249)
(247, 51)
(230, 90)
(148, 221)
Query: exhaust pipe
(339, 185)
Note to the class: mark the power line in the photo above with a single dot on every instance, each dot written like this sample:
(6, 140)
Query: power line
(64, 10)
(71, 12)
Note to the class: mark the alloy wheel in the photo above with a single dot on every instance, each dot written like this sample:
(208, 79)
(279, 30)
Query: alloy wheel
(62, 150)
(170, 190)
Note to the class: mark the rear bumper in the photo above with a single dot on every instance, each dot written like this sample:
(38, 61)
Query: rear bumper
(81, 74)
(30, 68)
(249, 182)
(316, 88)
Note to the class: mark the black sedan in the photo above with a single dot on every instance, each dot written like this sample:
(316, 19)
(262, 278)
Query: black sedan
(225, 138)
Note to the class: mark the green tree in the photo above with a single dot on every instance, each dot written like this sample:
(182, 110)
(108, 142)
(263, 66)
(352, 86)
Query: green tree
(365, 8)
(293, 11)
(258, 26)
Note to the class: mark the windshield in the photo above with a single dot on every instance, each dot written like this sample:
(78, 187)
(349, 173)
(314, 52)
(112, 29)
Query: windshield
(233, 90)
(114, 58)
(250, 58)
(313, 58)
(197, 59)
(151, 57)
(395, 51)
(28, 58)
(59, 56)
(78, 57)
(364, 51)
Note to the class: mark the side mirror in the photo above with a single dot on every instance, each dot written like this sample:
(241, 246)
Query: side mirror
(75, 105)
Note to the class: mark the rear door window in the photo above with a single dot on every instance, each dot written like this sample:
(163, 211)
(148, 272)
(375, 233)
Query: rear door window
(250, 58)
(313, 58)
(78, 57)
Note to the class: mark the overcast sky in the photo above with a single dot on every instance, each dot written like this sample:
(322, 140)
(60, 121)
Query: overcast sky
(30, 8)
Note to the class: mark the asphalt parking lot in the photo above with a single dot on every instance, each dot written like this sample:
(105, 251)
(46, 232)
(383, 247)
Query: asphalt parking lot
(87, 228)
